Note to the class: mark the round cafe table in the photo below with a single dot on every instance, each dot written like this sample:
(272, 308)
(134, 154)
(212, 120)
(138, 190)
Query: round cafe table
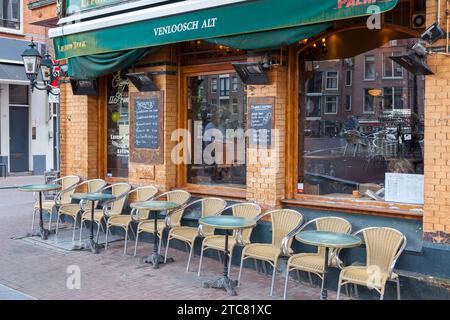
(93, 197)
(40, 188)
(327, 240)
(226, 223)
(155, 207)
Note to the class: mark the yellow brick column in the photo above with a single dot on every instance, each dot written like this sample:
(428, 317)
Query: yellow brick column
(266, 168)
(79, 132)
(162, 176)
(436, 221)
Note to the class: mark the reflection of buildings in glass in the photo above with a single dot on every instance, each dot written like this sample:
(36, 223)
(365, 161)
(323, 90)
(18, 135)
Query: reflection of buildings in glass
(364, 117)
(118, 127)
(219, 102)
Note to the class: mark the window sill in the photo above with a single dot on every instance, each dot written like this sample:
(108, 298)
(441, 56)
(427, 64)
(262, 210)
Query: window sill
(360, 206)
(217, 191)
(12, 31)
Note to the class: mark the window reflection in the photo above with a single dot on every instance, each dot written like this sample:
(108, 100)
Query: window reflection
(118, 127)
(213, 111)
(354, 132)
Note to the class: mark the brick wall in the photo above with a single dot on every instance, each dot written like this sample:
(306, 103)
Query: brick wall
(436, 222)
(162, 176)
(265, 168)
(79, 132)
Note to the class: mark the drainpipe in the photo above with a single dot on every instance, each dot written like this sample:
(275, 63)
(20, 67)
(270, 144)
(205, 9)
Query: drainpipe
(439, 12)
(447, 12)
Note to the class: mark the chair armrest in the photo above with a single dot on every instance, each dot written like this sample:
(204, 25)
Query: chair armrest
(400, 250)
(285, 241)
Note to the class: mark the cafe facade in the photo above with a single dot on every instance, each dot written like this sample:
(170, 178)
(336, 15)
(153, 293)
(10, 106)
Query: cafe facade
(292, 104)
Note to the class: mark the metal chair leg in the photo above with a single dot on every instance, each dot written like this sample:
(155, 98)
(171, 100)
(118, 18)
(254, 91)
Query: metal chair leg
(167, 250)
(255, 262)
(32, 221)
(264, 266)
(50, 221)
(338, 290)
(298, 275)
(220, 257)
(56, 231)
(356, 291)
(81, 228)
(200, 263)
(347, 292)
(126, 241)
(106, 237)
(286, 284)
(310, 279)
(136, 243)
(398, 288)
(240, 271)
(75, 222)
(190, 256)
(273, 278)
(159, 242)
(98, 230)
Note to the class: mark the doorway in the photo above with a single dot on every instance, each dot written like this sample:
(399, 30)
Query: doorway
(18, 139)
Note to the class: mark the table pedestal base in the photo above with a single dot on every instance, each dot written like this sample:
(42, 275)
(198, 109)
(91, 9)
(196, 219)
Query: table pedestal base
(223, 283)
(90, 245)
(43, 233)
(156, 259)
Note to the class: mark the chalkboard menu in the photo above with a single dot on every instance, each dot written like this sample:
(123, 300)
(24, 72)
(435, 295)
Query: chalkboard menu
(146, 123)
(147, 127)
(261, 121)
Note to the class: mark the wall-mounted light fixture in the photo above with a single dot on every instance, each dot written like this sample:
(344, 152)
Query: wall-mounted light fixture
(251, 73)
(142, 81)
(82, 87)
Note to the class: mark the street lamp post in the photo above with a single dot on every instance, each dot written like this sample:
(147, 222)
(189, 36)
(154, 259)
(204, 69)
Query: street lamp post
(34, 62)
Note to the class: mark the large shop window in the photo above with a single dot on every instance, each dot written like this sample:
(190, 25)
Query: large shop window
(216, 121)
(10, 14)
(362, 137)
(118, 127)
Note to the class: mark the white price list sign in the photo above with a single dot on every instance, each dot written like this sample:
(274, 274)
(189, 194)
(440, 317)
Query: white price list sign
(406, 188)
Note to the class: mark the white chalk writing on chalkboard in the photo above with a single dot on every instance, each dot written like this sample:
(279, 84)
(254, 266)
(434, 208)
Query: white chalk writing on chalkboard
(146, 126)
(261, 124)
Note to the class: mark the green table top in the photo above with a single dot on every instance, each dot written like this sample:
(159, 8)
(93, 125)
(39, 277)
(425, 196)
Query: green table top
(90, 196)
(227, 222)
(328, 239)
(39, 187)
(154, 205)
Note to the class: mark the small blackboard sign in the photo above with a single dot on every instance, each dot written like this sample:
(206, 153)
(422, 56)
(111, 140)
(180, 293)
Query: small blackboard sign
(146, 123)
(261, 121)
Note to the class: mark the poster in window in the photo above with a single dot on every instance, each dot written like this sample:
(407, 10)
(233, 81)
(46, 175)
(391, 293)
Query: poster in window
(404, 188)
(147, 127)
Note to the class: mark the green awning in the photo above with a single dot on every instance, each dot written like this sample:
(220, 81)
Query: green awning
(96, 65)
(270, 39)
(227, 20)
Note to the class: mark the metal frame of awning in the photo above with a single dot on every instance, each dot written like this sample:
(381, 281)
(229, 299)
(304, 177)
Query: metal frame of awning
(140, 15)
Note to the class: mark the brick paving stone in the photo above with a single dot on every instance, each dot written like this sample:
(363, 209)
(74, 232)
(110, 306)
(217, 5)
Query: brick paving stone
(41, 272)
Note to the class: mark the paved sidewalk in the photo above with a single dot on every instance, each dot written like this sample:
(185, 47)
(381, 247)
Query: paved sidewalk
(43, 272)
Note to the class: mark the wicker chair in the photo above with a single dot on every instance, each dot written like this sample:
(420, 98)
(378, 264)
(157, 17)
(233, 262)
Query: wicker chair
(285, 224)
(217, 242)
(73, 209)
(209, 207)
(173, 218)
(314, 262)
(383, 247)
(124, 221)
(110, 208)
(68, 186)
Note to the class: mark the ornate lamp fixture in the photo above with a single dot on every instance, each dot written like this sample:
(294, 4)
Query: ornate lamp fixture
(34, 62)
